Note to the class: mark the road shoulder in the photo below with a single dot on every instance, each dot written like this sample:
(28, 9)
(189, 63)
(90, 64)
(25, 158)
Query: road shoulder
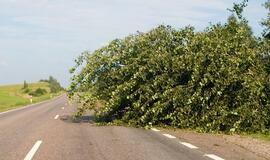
(227, 146)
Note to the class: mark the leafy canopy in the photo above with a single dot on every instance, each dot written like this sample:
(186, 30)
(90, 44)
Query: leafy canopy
(211, 80)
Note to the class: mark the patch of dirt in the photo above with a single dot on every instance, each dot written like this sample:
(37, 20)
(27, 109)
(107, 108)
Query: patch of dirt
(230, 147)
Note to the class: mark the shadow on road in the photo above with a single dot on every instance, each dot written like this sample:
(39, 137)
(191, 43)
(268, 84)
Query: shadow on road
(73, 119)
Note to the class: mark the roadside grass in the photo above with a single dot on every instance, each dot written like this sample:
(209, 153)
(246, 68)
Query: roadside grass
(12, 96)
(265, 137)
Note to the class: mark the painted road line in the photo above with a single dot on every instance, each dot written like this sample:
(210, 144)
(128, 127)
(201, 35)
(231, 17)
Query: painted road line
(154, 129)
(189, 145)
(169, 136)
(32, 152)
(56, 117)
(214, 157)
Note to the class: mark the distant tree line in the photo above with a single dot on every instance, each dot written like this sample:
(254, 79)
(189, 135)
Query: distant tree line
(36, 93)
(53, 84)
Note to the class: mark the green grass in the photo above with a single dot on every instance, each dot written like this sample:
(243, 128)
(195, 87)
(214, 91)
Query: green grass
(12, 96)
(260, 136)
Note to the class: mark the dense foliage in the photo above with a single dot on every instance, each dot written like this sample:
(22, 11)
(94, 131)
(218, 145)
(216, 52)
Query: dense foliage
(38, 92)
(212, 80)
(53, 84)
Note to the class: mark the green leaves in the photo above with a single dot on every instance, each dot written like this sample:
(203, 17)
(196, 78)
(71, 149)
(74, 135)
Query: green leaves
(239, 8)
(211, 80)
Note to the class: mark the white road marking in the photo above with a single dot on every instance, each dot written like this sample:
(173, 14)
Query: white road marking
(169, 136)
(56, 117)
(63, 108)
(32, 152)
(154, 129)
(214, 157)
(189, 145)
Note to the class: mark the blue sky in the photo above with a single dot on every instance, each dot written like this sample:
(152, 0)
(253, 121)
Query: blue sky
(39, 38)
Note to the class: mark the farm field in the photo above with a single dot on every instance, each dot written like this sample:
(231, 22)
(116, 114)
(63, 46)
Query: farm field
(13, 96)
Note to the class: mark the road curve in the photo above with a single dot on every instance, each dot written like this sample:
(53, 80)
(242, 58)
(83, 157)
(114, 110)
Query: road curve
(45, 132)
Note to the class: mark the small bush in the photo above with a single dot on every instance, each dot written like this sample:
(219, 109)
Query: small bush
(26, 90)
(38, 92)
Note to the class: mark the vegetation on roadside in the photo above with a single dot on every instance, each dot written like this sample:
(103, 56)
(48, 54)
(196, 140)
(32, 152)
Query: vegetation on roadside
(261, 136)
(13, 96)
(213, 80)
(54, 85)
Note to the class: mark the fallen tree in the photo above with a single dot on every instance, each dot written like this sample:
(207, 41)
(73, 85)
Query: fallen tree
(212, 80)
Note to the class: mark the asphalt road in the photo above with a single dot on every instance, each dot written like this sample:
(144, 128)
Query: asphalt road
(36, 132)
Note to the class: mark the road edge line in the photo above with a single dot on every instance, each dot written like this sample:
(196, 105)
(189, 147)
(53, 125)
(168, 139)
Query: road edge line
(169, 136)
(56, 117)
(154, 129)
(213, 156)
(191, 146)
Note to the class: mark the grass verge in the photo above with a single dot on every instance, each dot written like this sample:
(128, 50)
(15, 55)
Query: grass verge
(12, 96)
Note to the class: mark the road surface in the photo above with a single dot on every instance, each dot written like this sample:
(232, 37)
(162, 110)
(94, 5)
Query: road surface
(46, 132)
